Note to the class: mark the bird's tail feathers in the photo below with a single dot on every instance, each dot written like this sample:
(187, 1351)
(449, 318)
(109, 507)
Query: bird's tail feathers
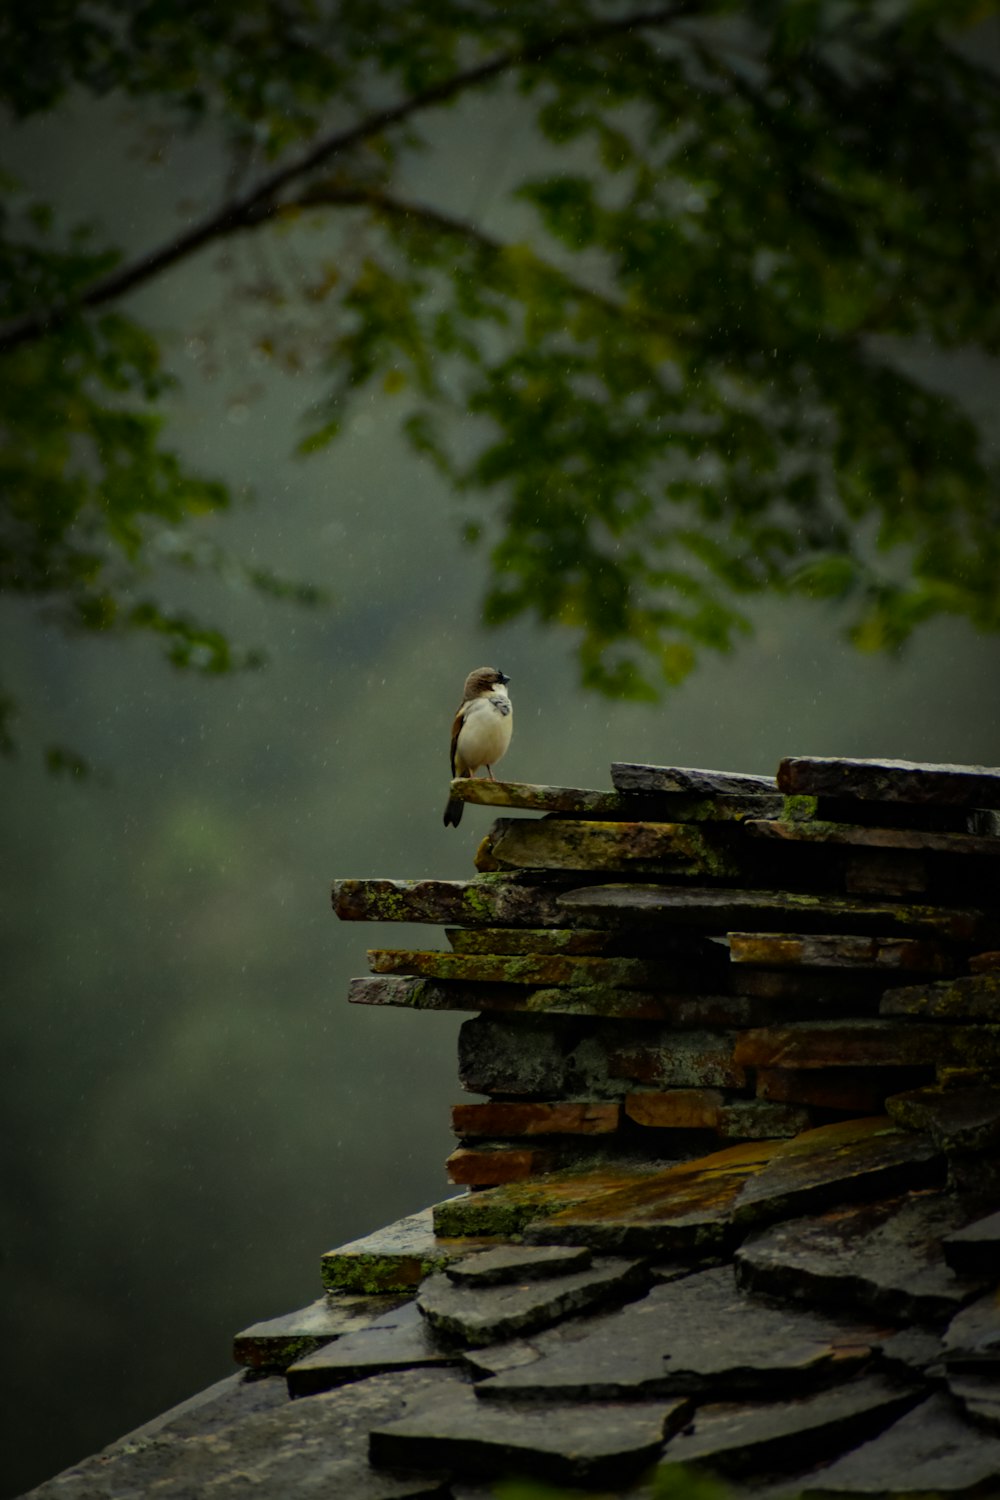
(453, 812)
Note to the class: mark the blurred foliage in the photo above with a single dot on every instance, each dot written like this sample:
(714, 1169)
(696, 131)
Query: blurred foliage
(682, 389)
(669, 1482)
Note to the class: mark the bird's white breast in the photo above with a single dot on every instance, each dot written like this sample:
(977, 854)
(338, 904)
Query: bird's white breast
(485, 733)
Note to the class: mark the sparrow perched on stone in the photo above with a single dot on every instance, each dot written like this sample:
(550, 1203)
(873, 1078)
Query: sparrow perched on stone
(481, 731)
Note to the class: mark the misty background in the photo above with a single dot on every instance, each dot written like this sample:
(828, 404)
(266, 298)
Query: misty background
(192, 1113)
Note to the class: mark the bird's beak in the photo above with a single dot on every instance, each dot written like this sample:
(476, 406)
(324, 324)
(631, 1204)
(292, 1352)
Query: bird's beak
(501, 677)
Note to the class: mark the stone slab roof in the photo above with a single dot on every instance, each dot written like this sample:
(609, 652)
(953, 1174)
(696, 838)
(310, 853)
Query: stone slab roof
(730, 1204)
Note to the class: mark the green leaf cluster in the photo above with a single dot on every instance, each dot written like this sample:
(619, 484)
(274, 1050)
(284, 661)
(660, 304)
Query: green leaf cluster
(687, 387)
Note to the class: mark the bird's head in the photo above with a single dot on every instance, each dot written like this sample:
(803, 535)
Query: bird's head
(484, 680)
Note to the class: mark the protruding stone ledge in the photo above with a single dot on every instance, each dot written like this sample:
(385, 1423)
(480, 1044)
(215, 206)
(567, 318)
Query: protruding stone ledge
(567, 844)
(545, 970)
(974, 997)
(697, 1336)
(876, 1043)
(277, 1342)
(784, 1436)
(881, 1259)
(393, 1259)
(478, 1316)
(722, 910)
(600, 1003)
(975, 1250)
(839, 951)
(517, 1117)
(669, 806)
(628, 776)
(487, 901)
(864, 836)
(596, 1445)
(890, 781)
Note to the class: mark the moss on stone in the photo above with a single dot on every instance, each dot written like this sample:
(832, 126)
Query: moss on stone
(371, 1274)
(799, 808)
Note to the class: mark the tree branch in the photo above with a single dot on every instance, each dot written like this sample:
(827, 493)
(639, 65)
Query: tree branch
(261, 202)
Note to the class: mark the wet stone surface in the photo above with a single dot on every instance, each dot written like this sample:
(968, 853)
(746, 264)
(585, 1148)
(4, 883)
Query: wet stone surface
(563, 1444)
(742, 1440)
(975, 1250)
(549, 1056)
(929, 1452)
(712, 909)
(955, 1119)
(400, 1340)
(276, 1342)
(890, 781)
(631, 776)
(393, 1259)
(978, 1396)
(519, 1263)
(855, 1159)
(882, 1259)
(290, 1448)
(972, 1339)
(481, 1315)
(971, 997)
(521, 1117)
(698, 1336)
(684, 1210)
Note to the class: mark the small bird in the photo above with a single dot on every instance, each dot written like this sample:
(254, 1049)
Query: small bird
(481, 731)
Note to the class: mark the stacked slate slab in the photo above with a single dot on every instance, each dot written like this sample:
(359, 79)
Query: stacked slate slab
(699, 957)
(730, 1204)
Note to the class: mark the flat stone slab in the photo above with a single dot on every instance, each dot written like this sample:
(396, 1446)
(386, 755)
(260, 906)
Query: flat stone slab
(535, 940)
(564, 1444)
(489, 1165)
(839, 951)
(505, 1211)
(883, 1259)
(629, 776)
(530, 1056)
(873, 1043)
(862, 835)
(721, 910)
(851, 1160)
(929, 1454)
(972, 1339)
(783, 1436)
(295, 1448)
(508, 1264)
(684, 1210)
(400, 1340)
(691, 1011)
(861, 1091)
(274, 1343)
(393, 1259)
(487, 901)
(979, 1397)
(710, 1109)
(558, 799)
(975, 1250)
(890, 781)
(697, 1336)
(591, 844)
(956, 1119)
(520, 1117)
(973, 996)
(476, 1316)
(543, 970)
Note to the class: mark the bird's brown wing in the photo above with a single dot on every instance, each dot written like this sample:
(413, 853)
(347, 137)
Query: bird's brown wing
(455, 729)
